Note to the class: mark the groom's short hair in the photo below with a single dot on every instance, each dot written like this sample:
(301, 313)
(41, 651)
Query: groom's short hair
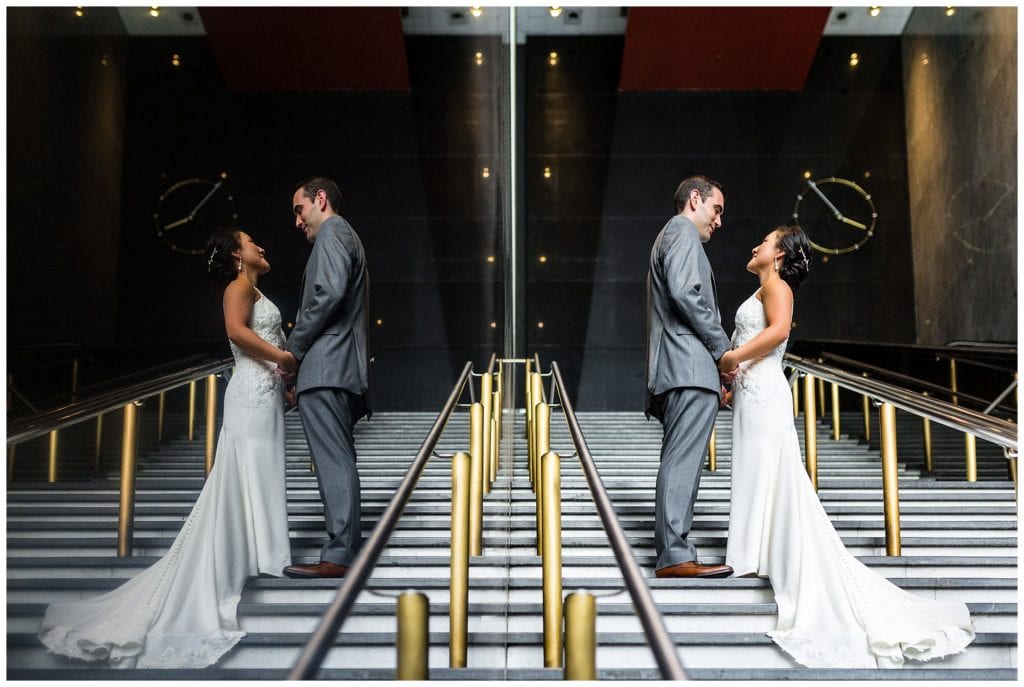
(313, 184)
(701, 183)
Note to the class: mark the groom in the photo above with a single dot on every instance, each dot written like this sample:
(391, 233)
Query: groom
(329, 343)
(685, 340)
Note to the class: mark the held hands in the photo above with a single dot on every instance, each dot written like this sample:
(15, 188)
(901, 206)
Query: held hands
(728, 366)
(287, 364)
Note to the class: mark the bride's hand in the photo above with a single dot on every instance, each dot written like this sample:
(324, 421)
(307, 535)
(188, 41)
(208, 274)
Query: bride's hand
(288, 363)
(728, 362)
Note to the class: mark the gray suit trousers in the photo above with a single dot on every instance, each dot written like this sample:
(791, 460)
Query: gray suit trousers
(328, 417)
(687, 420)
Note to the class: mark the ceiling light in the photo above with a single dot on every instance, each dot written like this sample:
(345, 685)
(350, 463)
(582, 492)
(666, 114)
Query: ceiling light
(555, 10)
(476, 10)
(874, 10)
(540, 325)
(543, 258)
(490, 258)
(154, 11)
(547, 172)
(79, 11)
(380, 322)
(176, 60)
(553, 58)
(807, 174)
(486, 172)
(494, 325)
(950, 10)
(854, 59)
(479, 57)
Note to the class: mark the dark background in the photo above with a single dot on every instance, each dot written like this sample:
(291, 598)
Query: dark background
(93, 145)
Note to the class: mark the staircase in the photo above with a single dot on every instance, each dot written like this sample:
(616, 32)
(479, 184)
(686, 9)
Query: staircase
(959, 541)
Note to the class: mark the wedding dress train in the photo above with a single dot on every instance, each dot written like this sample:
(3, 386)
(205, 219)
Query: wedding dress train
(181, 612)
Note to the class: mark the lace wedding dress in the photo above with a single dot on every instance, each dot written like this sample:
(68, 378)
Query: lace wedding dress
(833, 611)
(181, 612)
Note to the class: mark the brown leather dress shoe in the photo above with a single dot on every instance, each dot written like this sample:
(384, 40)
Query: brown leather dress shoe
(693, 569)
(321, 569)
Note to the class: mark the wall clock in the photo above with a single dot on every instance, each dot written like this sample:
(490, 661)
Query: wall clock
(837, 215)
(189, 210)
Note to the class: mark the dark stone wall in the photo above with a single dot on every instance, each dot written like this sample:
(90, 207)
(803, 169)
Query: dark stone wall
(66, 89)
(960, 77)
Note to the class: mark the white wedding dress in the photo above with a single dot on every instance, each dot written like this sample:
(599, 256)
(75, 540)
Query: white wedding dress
(181, 611)
(833, 611)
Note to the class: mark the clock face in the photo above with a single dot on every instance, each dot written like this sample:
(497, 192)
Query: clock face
(837, 215)
(188, 212)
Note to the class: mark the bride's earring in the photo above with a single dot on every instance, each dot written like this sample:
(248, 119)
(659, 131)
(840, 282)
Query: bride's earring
(240, 265)
(776, 261)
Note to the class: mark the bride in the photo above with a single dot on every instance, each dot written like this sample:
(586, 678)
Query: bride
(833, 611)
(181, 612)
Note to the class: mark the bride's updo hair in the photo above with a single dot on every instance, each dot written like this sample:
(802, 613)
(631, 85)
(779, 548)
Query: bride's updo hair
(221, 265)
(797, 261)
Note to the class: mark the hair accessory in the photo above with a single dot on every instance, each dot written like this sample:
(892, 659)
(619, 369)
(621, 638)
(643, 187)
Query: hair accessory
(209, 263)
(807, 263)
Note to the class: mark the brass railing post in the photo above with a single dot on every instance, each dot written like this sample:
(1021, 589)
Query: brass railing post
(552, 560)
(458, 604)
(51, 475)
(191, 409)
(713, 450)
(926, 440)
(971, 449)
(99, 440)
(536, 397)
(796, 399)
(542, 444)
(211, 420)
(161, 404)
(810, 431)
(821, 396)
(126, 512)
(890, 479)
(476, 479)
(580, 636)
(495, 421)
(835, 411)
(412, 641)
(485, 419)
(867, 414)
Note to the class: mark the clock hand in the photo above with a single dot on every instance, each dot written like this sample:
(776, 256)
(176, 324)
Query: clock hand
(181, 221)
(207, 197)
(835, 211)
(852, 222)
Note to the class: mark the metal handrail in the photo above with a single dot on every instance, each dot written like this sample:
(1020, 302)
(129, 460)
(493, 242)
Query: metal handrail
(355, 579)
(909, 379)
(964, 346)
(79, 411)
(995, 430)
(650, 618)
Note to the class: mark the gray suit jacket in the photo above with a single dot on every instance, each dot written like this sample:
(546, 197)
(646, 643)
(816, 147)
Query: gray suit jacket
(330, 335)
(685, 338)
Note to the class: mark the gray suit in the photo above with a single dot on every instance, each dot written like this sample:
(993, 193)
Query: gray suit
(685, 339)
(330, 343)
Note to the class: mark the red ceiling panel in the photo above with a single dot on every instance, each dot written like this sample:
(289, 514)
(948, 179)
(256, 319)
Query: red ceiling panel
(308, 48)
(720, 48)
